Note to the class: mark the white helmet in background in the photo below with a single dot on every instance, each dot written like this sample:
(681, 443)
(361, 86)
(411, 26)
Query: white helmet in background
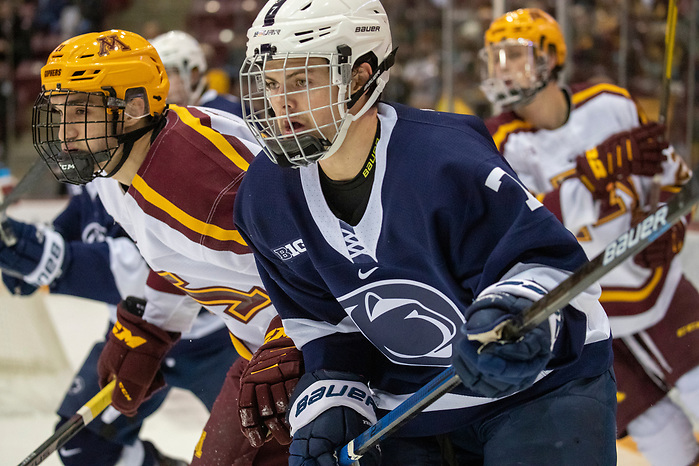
(182, 53)
(345, 33)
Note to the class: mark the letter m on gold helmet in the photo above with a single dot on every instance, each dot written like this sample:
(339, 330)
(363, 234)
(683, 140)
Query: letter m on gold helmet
(110, 62)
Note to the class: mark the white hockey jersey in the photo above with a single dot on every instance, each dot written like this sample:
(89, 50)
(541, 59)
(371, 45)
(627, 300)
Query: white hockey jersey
(634, 297)
(179, 211)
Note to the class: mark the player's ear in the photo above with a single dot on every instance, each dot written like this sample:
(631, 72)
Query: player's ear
(360, 75)
(136, 108)
(552, 58)
(194, 78)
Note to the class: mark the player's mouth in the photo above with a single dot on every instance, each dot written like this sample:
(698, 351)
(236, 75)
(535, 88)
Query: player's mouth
(69, 149)
(291, 127)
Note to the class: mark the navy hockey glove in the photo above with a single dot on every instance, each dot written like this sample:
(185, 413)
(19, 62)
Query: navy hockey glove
(133, 354)
(329, 409)
(39, 255)
(635, 152)
(17, 286)
(501, 368)
(266, 385)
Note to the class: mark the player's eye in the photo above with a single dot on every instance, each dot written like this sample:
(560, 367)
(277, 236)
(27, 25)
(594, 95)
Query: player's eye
(272, 85)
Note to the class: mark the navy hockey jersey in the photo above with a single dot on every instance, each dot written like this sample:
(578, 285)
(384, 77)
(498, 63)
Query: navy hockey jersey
(226, 102)
(446, 218)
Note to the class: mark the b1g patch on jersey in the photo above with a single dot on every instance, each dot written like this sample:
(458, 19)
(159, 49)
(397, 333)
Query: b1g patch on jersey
(410, 322)
(290, 250)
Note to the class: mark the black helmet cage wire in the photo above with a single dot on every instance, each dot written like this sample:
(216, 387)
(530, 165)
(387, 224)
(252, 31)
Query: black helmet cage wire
(76, 166)
(300, 148)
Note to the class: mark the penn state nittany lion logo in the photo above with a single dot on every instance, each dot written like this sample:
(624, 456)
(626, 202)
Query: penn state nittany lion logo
(410, 322)
(94, 233)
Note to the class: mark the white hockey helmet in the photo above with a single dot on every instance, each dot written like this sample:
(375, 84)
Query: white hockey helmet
(345, 33)
(181, 52)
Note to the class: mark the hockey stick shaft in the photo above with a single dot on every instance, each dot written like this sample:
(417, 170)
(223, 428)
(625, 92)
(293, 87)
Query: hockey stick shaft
(23, 186)
(629, 243)
(417, 402)
(670, 32)
(72, 426)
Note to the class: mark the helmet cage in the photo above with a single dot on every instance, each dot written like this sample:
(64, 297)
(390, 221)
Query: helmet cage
(513, 71)
(296, 148)
(76, 166)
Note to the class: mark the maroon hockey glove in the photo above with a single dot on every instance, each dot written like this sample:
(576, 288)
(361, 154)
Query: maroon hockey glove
(661, 251)
(133, 354)
(635, 152)
(266, 386)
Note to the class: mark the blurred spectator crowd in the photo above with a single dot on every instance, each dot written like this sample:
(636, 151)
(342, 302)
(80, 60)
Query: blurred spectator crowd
(31, 29)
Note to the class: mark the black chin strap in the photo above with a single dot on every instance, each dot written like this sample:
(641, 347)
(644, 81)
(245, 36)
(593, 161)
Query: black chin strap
(383, 66)
(128, 140)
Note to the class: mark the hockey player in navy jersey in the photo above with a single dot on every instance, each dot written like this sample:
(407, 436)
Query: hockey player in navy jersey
(559, 140)
(186, 66)
(97, 260)
(386, 235)
(169, 176)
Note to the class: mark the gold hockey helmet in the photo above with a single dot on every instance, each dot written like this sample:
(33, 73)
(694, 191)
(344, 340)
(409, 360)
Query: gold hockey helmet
(111, 62)
(531, 24)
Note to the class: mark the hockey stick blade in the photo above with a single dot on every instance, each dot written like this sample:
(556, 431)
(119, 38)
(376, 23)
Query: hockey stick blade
(23, 186)
(629, 243)
(83, 417)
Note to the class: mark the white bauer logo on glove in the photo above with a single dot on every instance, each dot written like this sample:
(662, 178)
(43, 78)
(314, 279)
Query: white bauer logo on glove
(325, 394)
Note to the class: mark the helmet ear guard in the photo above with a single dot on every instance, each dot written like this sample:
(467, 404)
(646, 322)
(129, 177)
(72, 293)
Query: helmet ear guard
(377, 69)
